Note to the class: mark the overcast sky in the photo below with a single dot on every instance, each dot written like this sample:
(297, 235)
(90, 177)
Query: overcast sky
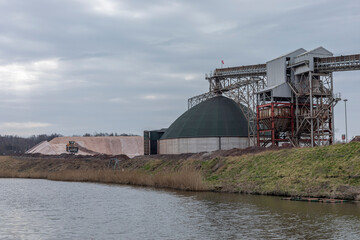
(78, 66)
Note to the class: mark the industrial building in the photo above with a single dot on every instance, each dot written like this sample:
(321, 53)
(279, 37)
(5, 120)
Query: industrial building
(151, 139)
(288, 100)
(215, 124)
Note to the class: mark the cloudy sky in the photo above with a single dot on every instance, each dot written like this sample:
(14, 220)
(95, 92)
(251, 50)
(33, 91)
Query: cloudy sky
(77, 66)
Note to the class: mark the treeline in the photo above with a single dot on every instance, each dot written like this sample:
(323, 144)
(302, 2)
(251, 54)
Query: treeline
(14, 145)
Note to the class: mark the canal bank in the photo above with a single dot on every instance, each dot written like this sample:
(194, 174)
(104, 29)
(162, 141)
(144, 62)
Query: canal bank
(332, 171)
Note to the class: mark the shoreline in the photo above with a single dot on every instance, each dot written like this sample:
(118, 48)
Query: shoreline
(329, 172)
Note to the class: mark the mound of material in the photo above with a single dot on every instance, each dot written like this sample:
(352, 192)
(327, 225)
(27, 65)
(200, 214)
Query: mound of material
(46, 148)
(43, 147)
(356, 139)
(129, 145)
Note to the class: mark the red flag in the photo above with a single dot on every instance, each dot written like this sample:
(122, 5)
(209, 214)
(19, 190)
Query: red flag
(222, 61)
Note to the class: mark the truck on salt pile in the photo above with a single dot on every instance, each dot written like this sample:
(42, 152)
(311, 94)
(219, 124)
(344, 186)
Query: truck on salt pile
(72, 147)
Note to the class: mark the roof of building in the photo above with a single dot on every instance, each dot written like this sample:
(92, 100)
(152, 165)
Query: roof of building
(296, 53)
(215, 117)
(317, 51)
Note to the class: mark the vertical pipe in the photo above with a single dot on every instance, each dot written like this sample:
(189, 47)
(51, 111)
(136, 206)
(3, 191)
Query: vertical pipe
(331, 122)
(248, 113)
(272, 124)
(320, 135)
(311, 111)
(257, 104)
(258, 125)
(292, 120)
(346, 132)
(297, 112)
(318, 132)
(332, 111)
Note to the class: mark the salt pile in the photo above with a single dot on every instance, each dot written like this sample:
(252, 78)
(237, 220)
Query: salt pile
(43, 147)
(129, 145)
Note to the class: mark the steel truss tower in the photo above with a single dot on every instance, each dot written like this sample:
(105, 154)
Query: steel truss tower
(314, 110)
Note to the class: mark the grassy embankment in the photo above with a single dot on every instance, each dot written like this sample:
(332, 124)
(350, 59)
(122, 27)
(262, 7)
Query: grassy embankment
(332, 171)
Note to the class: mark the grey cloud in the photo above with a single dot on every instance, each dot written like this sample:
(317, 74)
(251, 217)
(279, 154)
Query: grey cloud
(108, 62)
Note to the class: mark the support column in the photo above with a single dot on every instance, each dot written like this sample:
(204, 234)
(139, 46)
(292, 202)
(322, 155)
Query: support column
(258, 126)
(272, 124)
(311, 110)
(331, 123)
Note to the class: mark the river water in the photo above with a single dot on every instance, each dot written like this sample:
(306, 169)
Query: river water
(42, 209)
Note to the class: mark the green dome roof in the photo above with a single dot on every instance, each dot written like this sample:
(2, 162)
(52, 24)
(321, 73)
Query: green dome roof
(216, 117)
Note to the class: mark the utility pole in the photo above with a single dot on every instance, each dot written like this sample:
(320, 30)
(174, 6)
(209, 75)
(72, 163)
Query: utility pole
(345, 100)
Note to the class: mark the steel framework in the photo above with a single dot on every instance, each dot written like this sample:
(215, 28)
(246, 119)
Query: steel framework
(311, 105)
(240, 84)
(314, 108)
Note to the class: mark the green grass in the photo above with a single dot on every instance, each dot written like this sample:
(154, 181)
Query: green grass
(299, 171)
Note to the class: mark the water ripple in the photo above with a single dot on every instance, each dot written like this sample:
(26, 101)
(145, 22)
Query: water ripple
(41, 209)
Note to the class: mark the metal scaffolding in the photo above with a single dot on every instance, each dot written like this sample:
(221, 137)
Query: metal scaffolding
(308, 120)
(314, 110)
(240, 84)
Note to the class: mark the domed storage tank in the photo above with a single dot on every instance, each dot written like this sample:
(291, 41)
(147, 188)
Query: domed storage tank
(217, 123)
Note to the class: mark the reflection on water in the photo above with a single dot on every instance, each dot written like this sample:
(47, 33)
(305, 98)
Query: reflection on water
(41, 209)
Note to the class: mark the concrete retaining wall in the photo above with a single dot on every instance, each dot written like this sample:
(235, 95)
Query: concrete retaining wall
(194, 145)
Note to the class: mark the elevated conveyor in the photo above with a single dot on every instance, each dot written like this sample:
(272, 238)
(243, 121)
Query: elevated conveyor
(338, 64)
